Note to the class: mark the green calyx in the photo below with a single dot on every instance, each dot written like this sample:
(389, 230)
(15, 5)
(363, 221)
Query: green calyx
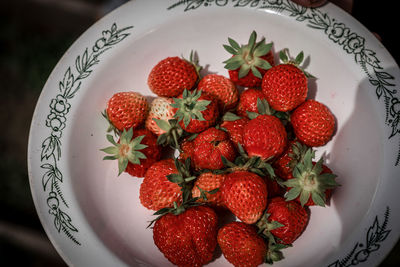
(245, 163)
(173, 132)
(310, 181)
(126, 150)
(185, 179)
(247, 58)
(286, 59)
(265, 226)
(189, 106)
(299, 150)
(111, 127)
(194, 60)
(263, 108)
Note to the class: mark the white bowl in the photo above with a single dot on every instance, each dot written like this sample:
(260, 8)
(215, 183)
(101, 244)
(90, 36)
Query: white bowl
(94, 218)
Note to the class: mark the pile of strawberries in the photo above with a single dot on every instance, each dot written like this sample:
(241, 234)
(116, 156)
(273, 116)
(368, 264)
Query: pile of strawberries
(243, 144)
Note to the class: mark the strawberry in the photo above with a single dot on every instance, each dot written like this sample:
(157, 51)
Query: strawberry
(249, 62)
(264, 137)
(248, 101)
(208, 182)
(245, 195)
(188, 238)
(195, 111)
(156, 190)
(284, 221)
(187, 148)
(234, 126)
(312, 182)
(241, 245)
(220, 88)
(135, 151)
(313, 123)
(274, 188)
(160, 109)
(209, 147)
(286, 162)
(172, 75)
(126, 110)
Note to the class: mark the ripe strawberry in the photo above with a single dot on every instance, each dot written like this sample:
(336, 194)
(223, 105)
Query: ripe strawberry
(241, 245)
(136, 151)
(312, 182)
(249, 62)
(284, 220)
(209, 147)
(313, 123)
(285, 85)
(264, 137)
(126, 109)
(189, 238)
(160, 109)
(220, 88)
(286, 162)
(245, 195)
(172, 75)
(209, 181)
(187, 148)
(248, 101)
(234, 126)
(156, 191)
(274, 188)
(195, 111)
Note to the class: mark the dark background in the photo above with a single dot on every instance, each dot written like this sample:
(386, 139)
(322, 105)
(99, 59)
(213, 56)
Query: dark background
(34, 34)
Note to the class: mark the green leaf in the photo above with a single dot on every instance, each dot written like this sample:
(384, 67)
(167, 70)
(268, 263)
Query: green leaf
(230, 50)
(229, 116)
(252, 115)
(318, 199)
(262, 49)
(122, 164)
(234, 44)
(175, 178)
(255, 72)
(262, 63)
(299, 58)
(164, 125)
(243, 71)
(304, 197)
(110, 150)
(283, 56)
(292, 194)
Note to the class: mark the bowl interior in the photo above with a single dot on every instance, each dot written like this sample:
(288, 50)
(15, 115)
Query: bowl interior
(111, 204)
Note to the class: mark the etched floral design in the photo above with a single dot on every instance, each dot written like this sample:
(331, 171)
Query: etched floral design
(57, 120)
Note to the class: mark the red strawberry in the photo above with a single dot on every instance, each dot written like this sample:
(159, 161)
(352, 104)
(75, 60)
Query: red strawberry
(209, 181)
(286, 162)
(156, 191)
(126, 110)
(195, 111)
(249, 62)
(284, 220)
(171, 76)
(285, 87)
(189, 238)
(248, 101)
(241, 245)
(160, 109)
(187, 148)
(313, 123)
(311, 183)
(245, 195)
(234, 125)
(220, 88)
(210, 146)
(264, 137)
(274, 188)
(136, 151)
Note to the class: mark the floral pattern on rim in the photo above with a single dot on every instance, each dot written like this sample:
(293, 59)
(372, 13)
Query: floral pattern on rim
(339, 33)
(376, 234)
(56, 122)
